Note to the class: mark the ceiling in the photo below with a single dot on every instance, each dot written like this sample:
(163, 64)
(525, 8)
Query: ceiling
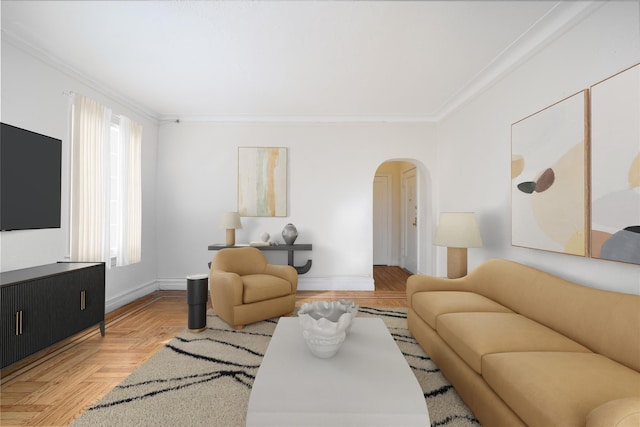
(287, 60)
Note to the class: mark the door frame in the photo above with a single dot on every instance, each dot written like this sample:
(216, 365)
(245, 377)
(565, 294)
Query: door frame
(389, 207)
(404, 225)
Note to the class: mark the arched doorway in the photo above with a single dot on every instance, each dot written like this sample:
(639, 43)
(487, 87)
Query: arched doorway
(395, 215)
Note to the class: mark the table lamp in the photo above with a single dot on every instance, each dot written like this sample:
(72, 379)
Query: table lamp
(230, 221)
(457, 231)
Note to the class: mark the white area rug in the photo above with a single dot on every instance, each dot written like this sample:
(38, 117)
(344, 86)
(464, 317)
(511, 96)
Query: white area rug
(205, 379)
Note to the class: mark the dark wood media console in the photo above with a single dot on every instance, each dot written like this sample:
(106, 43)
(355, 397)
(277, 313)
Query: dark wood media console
(42, 305)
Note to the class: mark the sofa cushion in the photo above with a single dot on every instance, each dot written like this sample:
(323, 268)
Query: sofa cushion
(623, 412)
(430, 305)
(557, 389)
(474, 335)
(260, 287)
(606, 322)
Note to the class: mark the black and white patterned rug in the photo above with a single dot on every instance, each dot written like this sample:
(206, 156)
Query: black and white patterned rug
(205, 379)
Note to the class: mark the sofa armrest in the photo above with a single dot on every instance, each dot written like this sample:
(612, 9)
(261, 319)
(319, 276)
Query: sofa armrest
(616, 413)
(227, 288)
(285, 272)
(424, 282)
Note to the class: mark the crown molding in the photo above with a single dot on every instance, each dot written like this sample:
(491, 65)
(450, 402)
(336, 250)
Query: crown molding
(64, 68)
(558, 20)
(552, 25)
(295, 119)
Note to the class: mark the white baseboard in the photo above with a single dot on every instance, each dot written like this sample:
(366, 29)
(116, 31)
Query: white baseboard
(304, 284)
(125, 298)
(172, 284)
(335, 284)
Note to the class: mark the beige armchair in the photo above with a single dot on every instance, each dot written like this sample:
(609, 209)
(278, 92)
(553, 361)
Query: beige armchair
(246, 289)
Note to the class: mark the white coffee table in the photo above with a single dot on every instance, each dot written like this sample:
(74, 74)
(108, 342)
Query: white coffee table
(368, 383)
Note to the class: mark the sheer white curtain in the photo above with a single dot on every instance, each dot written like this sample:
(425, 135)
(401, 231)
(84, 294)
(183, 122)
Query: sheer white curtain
(130, 209)
(90, 124)
(91, 184)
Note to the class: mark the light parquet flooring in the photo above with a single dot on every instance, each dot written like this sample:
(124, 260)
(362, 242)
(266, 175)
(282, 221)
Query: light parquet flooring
(55, 386)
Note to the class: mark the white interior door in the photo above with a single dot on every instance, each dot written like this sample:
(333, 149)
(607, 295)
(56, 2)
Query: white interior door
(381, 219)
(410, 221)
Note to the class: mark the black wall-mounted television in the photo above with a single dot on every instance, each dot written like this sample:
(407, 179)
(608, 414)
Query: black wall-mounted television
(30, 179)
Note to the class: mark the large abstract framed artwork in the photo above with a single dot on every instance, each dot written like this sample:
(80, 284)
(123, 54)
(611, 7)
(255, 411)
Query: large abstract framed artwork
(262, 181)
(615, 167)
(549, 193)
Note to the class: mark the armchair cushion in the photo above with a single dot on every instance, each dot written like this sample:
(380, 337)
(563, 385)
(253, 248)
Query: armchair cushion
(260, 287)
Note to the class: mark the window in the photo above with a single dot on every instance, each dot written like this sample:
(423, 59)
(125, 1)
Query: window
(115, 178)
(105, 185)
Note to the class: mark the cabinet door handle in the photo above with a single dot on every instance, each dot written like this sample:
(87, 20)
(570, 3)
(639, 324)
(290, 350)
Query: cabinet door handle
(83, 300)
(19, 322)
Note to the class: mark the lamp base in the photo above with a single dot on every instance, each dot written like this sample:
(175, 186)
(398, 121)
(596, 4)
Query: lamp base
(456, 262)
(231, 237)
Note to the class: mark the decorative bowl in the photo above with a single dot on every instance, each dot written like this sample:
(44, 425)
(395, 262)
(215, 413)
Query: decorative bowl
(321, 346)
(325, 325)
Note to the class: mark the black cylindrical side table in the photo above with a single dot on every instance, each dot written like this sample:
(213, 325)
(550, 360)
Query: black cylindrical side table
(197, 295)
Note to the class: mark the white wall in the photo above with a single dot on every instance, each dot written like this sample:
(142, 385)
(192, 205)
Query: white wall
(190, 171)
(331, 171)
(474, 143)
(33, 98)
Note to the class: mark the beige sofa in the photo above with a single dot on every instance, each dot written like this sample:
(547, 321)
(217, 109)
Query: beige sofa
(523, 347)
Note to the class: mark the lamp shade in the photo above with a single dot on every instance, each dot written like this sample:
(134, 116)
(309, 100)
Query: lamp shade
(458, 230)
(230, 220)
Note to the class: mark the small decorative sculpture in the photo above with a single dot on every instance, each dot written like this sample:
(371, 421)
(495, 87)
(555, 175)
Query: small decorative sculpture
(264, 240)
(289, 234)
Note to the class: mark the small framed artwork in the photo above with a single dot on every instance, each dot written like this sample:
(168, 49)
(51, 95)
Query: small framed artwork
(262, 181)
(549, 178)
(615, 167)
